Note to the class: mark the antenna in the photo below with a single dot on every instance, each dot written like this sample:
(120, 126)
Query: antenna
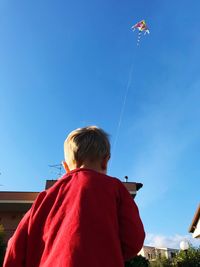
(58, 167)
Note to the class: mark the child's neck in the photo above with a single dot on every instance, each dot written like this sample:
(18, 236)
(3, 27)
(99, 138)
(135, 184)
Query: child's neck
(94, 167)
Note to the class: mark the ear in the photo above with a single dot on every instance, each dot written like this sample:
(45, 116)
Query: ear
(104, 162)
(65, 166)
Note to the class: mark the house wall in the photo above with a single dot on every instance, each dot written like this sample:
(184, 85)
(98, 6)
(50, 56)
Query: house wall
(152, 253)
(148, 252)
(9, 221)
(196, 233)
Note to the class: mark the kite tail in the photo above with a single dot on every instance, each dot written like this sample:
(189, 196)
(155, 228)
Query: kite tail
(139, 36)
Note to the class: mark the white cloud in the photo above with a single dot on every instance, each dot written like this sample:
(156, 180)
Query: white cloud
(173, 241)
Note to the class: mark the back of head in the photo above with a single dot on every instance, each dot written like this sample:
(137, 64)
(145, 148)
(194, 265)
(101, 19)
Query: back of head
(86, 144)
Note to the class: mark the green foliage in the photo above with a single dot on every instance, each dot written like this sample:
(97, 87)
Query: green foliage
(162, 262)
(138, 261)
(189, 258)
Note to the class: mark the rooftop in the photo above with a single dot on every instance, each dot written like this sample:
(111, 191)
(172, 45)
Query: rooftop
(195, 220)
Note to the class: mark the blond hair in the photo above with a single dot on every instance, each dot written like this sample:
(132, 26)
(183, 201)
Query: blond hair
(88, 143)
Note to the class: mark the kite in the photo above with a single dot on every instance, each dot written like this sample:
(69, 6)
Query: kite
(142, 28)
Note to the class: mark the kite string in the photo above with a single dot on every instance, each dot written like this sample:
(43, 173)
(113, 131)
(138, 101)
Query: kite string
(122, 110)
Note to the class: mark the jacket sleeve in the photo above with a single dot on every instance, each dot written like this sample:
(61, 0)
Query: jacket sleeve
(131, 228)
(16, 249)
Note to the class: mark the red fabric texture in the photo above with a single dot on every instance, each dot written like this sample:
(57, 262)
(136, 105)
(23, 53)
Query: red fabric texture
(87, 219)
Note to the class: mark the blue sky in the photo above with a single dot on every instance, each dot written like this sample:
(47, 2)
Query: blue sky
(66, 64)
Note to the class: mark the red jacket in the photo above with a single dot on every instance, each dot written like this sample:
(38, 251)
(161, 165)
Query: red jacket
(87, 219)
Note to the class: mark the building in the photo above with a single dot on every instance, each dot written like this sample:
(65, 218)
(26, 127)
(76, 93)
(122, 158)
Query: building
(153, 253)
(195, 225)
(13, 205)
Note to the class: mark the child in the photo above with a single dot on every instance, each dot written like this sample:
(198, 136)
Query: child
(87, 219)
